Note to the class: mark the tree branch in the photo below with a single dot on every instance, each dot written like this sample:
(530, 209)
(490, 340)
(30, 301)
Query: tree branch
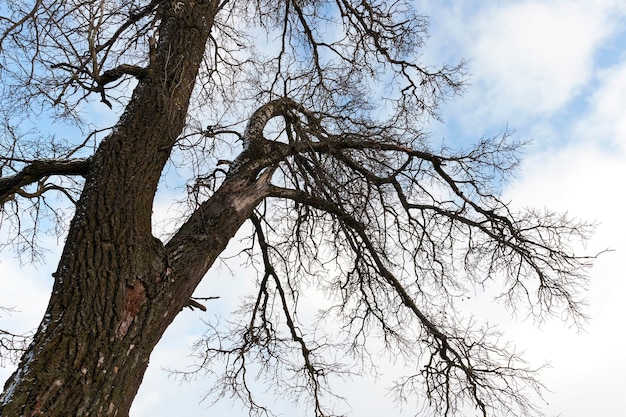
(457, 359)
(39, 169)
(118, 72)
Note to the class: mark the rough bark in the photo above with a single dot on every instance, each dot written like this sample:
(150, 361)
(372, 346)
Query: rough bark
(117, 287)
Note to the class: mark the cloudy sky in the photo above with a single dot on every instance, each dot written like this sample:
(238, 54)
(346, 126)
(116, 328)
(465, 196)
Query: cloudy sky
(553, 71)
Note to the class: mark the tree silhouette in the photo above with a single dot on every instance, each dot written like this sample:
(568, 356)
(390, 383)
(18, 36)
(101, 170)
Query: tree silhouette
(304, 119)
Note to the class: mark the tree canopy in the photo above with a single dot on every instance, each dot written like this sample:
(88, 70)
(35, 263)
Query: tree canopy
(307, 121)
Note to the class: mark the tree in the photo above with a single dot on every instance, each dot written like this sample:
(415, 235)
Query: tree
(341, 195)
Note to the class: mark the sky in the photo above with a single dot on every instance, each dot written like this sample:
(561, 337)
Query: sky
(554, 72)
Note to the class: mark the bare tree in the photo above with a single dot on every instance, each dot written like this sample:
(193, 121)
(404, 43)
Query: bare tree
(309, 126)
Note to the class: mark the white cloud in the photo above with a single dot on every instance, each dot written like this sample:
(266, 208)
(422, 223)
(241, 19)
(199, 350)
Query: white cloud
(606, 121)
(583, 178)
(527, 58)
(585, 378)
(26, 291)
(539, 53)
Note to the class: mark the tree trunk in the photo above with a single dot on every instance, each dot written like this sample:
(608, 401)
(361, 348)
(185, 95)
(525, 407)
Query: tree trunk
(117, 288)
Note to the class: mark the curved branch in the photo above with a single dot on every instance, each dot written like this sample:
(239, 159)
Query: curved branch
(259, 119)
(39, 169)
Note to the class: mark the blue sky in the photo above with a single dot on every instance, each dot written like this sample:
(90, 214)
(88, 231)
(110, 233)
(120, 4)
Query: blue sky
(553, 71)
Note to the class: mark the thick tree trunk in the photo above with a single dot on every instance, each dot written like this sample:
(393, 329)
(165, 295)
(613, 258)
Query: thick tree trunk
(117, 288)
(111, 305)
